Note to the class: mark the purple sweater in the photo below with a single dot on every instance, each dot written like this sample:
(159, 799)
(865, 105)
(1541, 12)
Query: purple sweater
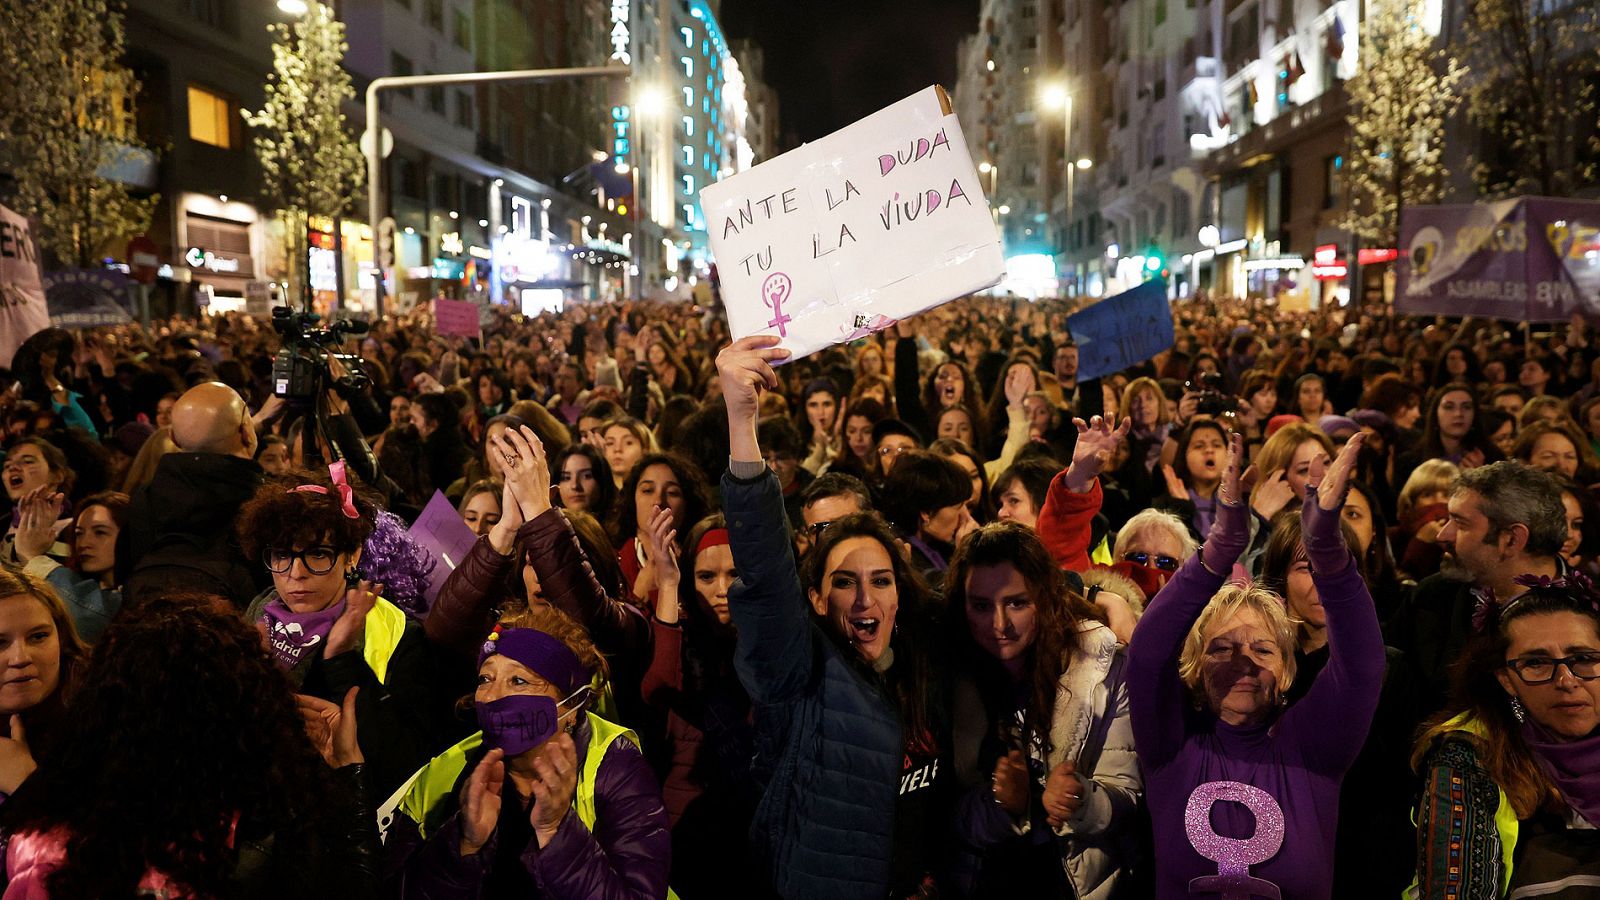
(1298, 760)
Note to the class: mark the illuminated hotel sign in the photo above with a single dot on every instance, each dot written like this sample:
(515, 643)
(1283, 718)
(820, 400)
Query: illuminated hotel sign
(620, 136)
(621, 40)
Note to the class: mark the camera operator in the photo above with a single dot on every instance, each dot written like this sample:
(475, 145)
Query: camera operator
(335, 398)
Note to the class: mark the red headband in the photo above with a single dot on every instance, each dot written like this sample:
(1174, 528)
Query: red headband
(716, 537)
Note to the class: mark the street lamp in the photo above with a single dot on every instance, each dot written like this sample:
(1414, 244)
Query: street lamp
(1085, 163)
(1056, 96)
(648, 103)
(294, 7)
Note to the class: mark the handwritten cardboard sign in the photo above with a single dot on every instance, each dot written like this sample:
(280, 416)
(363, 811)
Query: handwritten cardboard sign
(445, 535)
(1122, 331)
(22, 304)
(846, 235)
(456, 317)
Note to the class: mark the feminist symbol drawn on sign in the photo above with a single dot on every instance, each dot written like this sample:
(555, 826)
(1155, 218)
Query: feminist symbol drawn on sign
(775, 291)
(1234, 856)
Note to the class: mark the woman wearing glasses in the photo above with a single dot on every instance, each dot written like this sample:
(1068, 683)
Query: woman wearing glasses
(329, 629)
(1512, 773)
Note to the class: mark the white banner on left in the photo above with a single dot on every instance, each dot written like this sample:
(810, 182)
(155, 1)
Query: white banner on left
(22, 306)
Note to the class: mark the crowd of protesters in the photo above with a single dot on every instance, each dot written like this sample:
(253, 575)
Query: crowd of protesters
(1301, 608)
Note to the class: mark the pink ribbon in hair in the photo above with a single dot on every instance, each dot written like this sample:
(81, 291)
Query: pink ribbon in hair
(347, 494)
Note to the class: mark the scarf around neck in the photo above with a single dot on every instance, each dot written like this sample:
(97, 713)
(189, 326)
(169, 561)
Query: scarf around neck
(292, 635)
(1574, 766)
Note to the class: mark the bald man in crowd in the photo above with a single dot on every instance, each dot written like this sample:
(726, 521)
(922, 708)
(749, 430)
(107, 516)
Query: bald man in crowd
(180, 525)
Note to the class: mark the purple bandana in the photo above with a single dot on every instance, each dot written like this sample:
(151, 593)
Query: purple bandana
(292, 635)
(541, 652)
(1571, 765)
(517, 723)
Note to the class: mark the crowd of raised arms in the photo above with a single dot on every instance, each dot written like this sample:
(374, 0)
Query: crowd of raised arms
(1299, 608)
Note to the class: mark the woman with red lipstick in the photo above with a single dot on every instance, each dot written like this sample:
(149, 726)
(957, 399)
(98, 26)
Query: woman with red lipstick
(1042, 738)
(1511, 796)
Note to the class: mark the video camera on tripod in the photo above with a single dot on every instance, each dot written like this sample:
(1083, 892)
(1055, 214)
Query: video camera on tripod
(300, 370)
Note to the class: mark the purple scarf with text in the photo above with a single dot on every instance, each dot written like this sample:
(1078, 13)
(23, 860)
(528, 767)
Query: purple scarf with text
(292, 635)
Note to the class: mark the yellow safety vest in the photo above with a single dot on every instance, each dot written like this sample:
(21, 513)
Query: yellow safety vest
(437, 780)
(386, 625)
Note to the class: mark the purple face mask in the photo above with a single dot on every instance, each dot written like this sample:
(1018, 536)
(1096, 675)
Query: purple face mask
(517, 723)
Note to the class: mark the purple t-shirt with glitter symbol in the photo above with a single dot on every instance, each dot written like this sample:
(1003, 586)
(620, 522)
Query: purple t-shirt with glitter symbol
(1297, 762)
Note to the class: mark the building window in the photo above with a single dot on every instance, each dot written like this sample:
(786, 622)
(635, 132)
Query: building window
(219, 14)
(463, 29)
(211, 118)
(405, 3)
(436, 99)
(433, 14)
(463, 109)
(1333, 182)
(401, 65)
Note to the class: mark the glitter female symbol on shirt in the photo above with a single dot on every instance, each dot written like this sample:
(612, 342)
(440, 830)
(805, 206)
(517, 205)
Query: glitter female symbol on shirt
(775, 292)
(1234, 856)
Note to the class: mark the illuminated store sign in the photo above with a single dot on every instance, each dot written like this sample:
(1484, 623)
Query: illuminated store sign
(621, 39)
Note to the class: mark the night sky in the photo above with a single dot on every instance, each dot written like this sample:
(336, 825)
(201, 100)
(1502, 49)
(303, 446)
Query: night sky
(834, 61)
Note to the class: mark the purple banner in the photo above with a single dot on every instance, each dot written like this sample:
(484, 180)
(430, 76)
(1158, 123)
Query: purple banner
(1532, 259)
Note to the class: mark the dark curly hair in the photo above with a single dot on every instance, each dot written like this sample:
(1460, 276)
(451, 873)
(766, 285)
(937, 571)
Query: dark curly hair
(280, 516)
(189, 694)
(625, 522)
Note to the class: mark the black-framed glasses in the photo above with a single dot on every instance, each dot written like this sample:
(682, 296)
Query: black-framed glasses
(319, 560)
(1543, 670)
(1157, 560)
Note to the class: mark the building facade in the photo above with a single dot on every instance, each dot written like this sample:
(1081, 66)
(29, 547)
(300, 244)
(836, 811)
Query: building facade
(1206, 138)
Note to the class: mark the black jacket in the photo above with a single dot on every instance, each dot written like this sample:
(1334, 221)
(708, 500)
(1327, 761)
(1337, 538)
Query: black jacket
(180, 530)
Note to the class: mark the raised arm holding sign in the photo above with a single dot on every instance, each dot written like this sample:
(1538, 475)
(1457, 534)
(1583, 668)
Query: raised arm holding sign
(844, 236)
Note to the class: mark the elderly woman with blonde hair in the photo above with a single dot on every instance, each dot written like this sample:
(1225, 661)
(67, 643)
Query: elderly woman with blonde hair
(1208, 671)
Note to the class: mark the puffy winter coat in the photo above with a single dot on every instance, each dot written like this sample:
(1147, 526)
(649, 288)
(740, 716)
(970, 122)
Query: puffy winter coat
(828, 743)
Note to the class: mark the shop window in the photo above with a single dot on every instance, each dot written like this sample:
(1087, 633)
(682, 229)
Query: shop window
(211, 118)
(1333, 182)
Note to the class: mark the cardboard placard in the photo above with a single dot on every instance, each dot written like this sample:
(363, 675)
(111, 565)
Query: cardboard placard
(456, 317)
(843, 237)
(1122, 331)
(22, 303)
(445, 535)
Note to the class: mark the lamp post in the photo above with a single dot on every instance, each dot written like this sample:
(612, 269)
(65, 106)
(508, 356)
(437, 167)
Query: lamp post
(374, 146)
(993, 171)
(647, 104)
(1058, 97)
